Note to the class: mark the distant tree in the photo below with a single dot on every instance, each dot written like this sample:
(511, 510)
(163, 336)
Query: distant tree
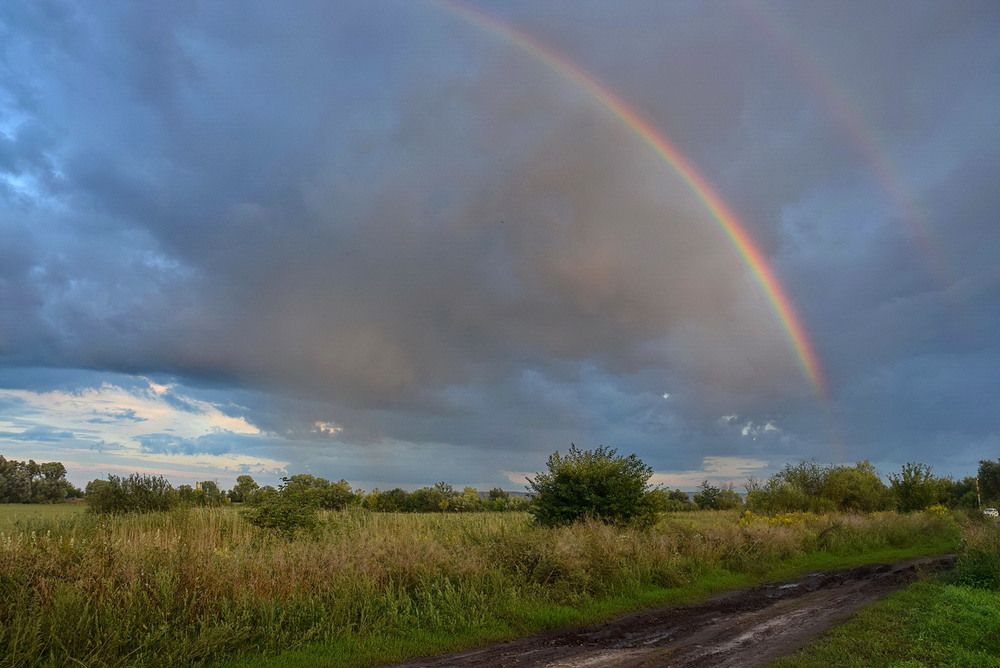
(425, 500)
(319, 491)
(31, 482)
(915, 487)
(592, 484)
(717, 498)
(856, 488)
(338, 495)
(497, 499)
(670, 500)
(989, 481)
(466, 502)
(281, 512)
(245, 487)
(208, 494)
(810, 486)
(392, 501)
(962, 493)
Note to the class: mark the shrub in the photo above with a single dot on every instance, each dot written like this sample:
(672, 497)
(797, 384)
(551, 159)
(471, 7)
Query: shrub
(136, 493)
(670, 500)
(592, 484)
(915, 487)
(319, 491)
(717, 498)
(283, 511)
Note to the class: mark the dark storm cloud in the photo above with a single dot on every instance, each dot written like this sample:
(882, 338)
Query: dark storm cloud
(372, 223)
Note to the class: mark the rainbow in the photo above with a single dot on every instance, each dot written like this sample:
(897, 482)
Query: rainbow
(731, 226)
(780, 37)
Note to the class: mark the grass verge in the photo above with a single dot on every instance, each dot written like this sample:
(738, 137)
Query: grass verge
(528, 618)
(927, 624)
(950, 620)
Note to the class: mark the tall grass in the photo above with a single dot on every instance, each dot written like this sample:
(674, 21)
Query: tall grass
(197, 585)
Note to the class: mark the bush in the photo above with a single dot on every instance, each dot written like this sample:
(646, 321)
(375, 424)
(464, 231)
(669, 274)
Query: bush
(915, 487)
(283, 511)
(717, 498)
(136, 493)
(592, 484)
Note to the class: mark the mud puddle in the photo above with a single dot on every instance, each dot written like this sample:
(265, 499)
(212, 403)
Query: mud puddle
(731, 630)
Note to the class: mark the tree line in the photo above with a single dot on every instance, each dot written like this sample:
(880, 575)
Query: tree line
(30, 482)
(598, 484)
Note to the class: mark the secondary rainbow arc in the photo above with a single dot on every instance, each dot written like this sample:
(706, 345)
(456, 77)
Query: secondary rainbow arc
(731, 226)
(781, 38)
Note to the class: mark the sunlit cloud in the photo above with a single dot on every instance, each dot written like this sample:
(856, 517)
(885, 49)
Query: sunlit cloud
(145, 429)
(716, 470)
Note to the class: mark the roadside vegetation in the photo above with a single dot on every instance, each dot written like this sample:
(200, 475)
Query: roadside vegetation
(314, 572)
(950, 620)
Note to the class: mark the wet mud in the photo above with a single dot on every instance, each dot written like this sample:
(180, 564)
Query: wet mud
(732, 630)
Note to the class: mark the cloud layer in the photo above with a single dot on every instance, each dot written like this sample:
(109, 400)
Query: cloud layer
(380, 218)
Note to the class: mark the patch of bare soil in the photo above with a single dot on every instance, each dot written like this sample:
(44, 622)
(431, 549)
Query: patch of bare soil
(732, 630)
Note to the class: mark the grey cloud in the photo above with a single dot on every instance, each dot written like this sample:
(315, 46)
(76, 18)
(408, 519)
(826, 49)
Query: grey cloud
(117, 415)
(41, 434)
(381, 216)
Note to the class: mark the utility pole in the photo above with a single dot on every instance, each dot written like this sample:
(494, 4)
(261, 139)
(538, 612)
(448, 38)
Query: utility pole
(979, 499)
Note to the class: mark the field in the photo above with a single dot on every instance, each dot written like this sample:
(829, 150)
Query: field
(204, 586)
(12, 512)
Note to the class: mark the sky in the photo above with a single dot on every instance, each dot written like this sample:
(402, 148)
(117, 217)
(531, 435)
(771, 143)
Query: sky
(407, 241)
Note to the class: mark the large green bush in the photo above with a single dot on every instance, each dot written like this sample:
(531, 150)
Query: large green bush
(592, 484)
(135, 493)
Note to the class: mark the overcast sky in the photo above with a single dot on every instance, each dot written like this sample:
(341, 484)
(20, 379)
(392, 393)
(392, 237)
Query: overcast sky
(384, 241)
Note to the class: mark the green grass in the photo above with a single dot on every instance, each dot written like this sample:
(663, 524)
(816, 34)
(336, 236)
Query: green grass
(202, 586)
(927, 624)
(528, 618)
(950, 620)
(13, 512)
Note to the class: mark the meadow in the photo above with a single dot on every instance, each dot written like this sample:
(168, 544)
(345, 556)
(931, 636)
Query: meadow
(203, 586)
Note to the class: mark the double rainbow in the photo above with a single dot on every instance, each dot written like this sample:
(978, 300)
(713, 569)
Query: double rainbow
(731, 226)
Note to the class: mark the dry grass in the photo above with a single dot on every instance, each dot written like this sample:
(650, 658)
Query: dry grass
(190, 586)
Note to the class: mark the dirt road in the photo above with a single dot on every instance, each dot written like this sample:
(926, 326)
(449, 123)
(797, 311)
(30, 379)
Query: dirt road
(732, 630)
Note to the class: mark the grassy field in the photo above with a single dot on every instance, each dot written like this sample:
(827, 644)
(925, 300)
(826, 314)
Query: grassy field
(12, 512)
(953, 620)
(204, 586)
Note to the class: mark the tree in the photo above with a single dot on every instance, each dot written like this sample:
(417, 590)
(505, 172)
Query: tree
(135, 493)
(393, 501)
(856, 488)
(243, 489)
(468, 501)
(592, 484)
(670, 500)
(207, 493)
(962, 493)
(30, 482)
(717, 498)
(915, 487)
(319, 491)
(497, 499)
(280, 511)
(989, 481)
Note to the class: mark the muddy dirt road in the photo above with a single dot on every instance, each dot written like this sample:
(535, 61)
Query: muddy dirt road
(736, 629)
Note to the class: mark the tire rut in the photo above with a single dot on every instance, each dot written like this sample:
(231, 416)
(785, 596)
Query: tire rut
(731, 630)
